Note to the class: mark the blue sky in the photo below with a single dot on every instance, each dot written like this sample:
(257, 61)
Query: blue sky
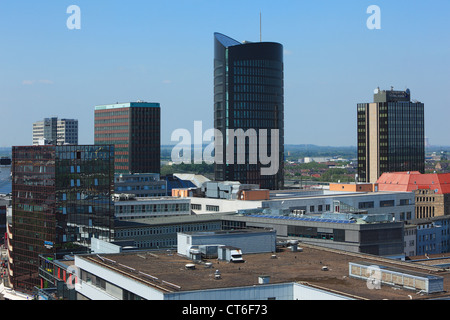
(162, 51)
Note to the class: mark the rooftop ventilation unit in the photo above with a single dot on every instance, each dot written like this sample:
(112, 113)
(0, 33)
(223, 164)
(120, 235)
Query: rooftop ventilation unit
(190, 266)
(263, 279)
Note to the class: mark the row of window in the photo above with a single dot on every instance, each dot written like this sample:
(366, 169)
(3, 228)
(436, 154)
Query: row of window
(107, 286)
(139, 187)
(123, 120)
(270, 81)
(258, 63)
(171, 207)
(383, 203)
(319, 208)
(275, 96)
(109, 128)
(112, 113)
(112, 135)
(168, 230)
(208, 207)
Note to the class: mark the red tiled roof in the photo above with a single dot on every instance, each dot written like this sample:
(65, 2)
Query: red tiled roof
(409, 181)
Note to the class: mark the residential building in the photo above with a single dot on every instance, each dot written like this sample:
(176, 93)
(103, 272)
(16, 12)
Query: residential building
(429, 238)
(390, 135)
(248, 95)
(55, 131)
(134, 129)
(61, 198)
(431, 191)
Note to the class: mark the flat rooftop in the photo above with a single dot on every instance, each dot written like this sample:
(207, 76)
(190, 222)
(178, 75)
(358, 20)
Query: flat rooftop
(166, 271)
(150, 199)
(139, 104)
(297, 194)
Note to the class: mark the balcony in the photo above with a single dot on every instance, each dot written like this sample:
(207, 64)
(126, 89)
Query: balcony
(46, 274)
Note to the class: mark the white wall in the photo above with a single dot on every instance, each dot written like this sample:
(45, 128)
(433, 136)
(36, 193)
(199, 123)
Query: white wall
(95, 293)
(282, 291)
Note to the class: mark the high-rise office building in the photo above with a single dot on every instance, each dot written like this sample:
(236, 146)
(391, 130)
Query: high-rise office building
(390, 135)
(248, 95)
(61, 198)
(134, 129)
(55, 131)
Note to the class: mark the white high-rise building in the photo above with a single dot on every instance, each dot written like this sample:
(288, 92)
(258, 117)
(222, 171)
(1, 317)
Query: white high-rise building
(55, 131)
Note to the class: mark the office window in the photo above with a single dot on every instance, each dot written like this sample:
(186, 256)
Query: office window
(212, 208)
(387, 203)
(366, 205)
(404, 202)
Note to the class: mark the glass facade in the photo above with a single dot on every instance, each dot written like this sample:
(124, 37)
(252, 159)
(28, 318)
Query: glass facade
(400, 133)
(61, 198)
(134, 129)
(249, 95)
(405, 137)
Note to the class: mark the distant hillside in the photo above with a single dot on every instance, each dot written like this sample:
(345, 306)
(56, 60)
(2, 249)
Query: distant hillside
(294, 152)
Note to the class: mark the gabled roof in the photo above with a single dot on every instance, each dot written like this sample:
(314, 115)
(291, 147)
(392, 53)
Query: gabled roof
(410, 181)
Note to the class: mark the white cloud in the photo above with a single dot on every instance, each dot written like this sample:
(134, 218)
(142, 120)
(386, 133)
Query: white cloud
(31, 82)
(46, 81)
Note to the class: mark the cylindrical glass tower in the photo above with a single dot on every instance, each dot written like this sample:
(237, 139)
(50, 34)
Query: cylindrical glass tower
(249, 95)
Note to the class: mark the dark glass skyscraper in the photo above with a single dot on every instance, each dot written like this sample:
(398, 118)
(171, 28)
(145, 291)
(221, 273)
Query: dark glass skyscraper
(134, 129)
(249, 94)
(391, 135)
(61, 198)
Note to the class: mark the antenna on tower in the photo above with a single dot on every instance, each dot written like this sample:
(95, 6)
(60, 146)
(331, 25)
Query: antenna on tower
(260, 26)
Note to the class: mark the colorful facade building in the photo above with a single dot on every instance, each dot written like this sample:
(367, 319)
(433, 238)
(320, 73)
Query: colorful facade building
(61, 198)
